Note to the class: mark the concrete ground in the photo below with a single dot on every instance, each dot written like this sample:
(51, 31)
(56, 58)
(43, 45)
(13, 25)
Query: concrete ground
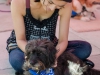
(92, 37)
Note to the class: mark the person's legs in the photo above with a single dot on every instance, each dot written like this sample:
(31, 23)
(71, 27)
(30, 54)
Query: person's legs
(16, 59)
(81, 49)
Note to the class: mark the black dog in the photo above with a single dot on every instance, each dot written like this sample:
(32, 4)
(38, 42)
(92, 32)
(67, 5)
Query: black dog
(40, 55)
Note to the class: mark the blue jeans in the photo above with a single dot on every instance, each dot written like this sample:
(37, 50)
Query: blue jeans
(81, 49)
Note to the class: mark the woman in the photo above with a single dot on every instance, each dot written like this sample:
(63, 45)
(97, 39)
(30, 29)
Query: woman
(37, 19)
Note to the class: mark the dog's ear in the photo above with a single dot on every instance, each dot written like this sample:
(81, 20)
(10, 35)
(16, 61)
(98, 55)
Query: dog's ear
(30, 46)
(51, 51)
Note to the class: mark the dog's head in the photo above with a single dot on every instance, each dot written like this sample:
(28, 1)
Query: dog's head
(91, 5)
(40, 54)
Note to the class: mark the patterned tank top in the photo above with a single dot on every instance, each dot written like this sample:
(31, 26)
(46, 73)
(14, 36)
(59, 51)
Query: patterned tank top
(36, 29)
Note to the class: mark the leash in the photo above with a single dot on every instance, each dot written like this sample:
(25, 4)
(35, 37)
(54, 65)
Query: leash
(44, 72)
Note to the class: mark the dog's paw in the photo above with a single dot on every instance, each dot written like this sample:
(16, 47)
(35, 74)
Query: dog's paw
(84, 18)
(92, 18)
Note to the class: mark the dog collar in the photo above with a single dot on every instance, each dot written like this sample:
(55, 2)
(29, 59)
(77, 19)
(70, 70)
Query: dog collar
(44, 72)
(75, 13)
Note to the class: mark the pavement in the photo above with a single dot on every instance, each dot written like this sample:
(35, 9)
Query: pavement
(92, 37)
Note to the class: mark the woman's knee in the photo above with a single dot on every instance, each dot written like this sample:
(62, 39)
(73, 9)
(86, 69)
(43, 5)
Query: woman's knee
(83, 50)
(16, 59)
(86, 50)
(87, 47)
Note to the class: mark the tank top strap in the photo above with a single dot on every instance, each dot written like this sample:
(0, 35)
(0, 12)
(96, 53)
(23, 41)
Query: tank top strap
(27, 3)
(27, 6)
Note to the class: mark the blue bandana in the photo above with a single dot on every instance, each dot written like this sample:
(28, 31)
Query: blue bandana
(74, 14)
(44, 72)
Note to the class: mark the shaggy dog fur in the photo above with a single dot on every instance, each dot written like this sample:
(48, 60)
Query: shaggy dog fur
(40, 55)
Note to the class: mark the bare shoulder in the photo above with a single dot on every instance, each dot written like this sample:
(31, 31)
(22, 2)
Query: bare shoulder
(67, 8)
(19, 6)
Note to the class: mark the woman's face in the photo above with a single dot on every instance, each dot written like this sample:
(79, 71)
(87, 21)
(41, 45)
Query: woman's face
(49, 5)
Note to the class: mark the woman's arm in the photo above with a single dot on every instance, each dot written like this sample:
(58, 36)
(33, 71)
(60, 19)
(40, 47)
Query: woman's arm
(65, 14)
(17, 12)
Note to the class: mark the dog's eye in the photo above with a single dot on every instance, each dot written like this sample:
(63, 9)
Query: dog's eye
(38, 54)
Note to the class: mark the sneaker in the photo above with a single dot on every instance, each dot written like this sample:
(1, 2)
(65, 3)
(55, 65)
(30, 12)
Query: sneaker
(17, 73)
(89, 63)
